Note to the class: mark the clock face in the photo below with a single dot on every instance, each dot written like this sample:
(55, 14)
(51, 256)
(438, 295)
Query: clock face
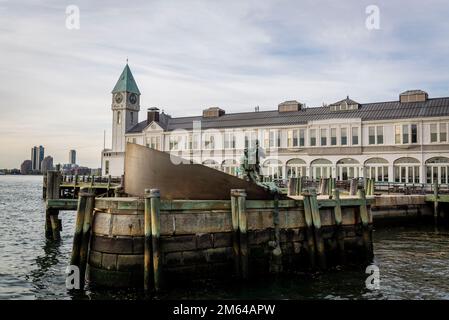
(133, 98)
(118, 97)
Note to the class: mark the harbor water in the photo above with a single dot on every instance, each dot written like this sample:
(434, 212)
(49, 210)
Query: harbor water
(413, 262)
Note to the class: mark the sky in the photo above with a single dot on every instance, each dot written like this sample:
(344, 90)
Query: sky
(56, 82)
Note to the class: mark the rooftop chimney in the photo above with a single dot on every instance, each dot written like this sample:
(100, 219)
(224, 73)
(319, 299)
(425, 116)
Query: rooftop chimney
(152, 115)
(213, 112)
(413, 96)
(289, 106)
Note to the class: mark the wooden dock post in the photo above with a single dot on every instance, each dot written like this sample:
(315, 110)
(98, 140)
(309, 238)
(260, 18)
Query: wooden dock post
(148, 243)
(92, 181)
(44, 187)
(85, 237)
(235, 231)
(436, 208)
(353, 187)
(74, 186)
(77, 237)
(276, 254)
(316, 218)
(155, 199)
(309, 232)
(364, 218)
(52, 225)
(339, 225)
(243, 226)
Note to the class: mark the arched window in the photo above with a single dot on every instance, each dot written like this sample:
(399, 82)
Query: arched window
(437, 170)
(211, 164)
(230, 166)
(296, 168)
(272, 169)
(406, 170)
(376, 168)
(119, 117)
(321, 168)
(347, 168)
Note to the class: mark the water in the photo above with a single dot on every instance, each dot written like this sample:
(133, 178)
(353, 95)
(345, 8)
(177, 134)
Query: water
(413, 262)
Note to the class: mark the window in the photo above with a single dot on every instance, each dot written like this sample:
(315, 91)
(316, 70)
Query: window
(380, 134)
(292, 138)
(229, 140)
(333, 136)
(323, 135)
(405, 134)
(154, 143)
(132, 117)
(302, 137)
(272, 139)
(173, 142)
(250, 139)
(355, 136)
(119, 118)
(194, 141)
(312, 137)
(397, 134)
(443, 132)
(209, 141)
(344, 136)
(106, 167)
(371, 135)
(433, 133)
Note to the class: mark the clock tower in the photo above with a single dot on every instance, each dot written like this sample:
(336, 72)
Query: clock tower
(125, 108)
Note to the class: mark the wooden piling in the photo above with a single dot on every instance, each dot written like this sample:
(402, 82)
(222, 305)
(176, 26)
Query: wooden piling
(235, 232)
(52, 192)
(148, 255)
(309, 232)
(276, 254)
(85, 237)
(353, 187)
(155, 199)
(44, 187)
(316, 218)
(436, 208)
(77, 237)
(364, 218)
(243, 226)
(339, 226)
(74, 186)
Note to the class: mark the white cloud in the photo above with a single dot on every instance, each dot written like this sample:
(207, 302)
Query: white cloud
(55, 83)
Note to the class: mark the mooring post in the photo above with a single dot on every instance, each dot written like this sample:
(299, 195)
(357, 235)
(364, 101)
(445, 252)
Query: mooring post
(316, 218)
(44, 187)
(435, 202)
(92, 181)
(353, 187)
(364, 218)
(235, 231)
(109, 184)
(85, 237)
(155, 199)
(292, 187)
(276, 254)
(52, 226)
(309, 233)
(77, 237)
(148, 255)
(243, 225)
(339, 225)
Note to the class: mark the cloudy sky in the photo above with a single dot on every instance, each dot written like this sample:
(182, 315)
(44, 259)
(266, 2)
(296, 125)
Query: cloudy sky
(55, 83)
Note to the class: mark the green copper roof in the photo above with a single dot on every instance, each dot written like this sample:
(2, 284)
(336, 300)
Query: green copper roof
(126, 82)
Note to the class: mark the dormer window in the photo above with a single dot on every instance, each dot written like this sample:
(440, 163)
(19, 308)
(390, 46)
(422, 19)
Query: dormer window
(344, 105)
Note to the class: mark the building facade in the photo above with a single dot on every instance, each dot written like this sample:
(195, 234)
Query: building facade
(37, 156)
(72, 157)
(26, 167)
(404, 141)
(47, 164)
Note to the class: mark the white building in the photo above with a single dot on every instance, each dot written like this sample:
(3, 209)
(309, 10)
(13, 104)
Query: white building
(399, 141)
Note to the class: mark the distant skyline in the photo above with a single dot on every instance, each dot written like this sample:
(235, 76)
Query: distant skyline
(55, 83)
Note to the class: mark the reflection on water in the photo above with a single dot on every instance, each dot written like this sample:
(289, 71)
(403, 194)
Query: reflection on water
(413, 262)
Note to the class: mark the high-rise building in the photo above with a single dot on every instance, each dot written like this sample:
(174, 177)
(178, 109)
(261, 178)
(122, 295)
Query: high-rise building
(72, 156)
(25, 167)
(37, 155)
(47, 164)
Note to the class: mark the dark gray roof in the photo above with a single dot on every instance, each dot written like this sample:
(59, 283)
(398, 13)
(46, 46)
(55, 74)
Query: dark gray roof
(436, 107)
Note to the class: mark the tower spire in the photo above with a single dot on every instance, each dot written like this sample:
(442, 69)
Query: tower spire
(126, 82)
